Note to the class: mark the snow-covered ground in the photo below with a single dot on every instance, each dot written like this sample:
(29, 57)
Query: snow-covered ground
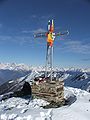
(78, 108)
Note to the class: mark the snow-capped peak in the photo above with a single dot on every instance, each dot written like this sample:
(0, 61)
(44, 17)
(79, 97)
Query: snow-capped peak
(14, 66)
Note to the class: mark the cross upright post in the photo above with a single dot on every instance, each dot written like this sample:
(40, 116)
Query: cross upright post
(49, 53)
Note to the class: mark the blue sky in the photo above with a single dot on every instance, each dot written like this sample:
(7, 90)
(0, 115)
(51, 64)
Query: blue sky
(19, 19)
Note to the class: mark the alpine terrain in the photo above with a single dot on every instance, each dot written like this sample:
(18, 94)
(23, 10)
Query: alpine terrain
(76, 93)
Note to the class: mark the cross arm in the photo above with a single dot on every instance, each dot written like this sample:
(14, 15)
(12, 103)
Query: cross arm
(42, 34)
(62, 33)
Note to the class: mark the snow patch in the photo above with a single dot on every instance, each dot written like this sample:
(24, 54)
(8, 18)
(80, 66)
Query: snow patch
(12, 116)
(3, 117)
(11, 81)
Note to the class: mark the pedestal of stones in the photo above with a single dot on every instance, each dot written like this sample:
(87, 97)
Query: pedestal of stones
(51, 91)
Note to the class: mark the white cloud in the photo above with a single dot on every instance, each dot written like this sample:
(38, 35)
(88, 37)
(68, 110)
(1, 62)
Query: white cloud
(15, 39)
(34, 31)
(0, 25)
(81, 47)
(86, 59)
(5, 38)
(39, 30)
(43, 18)
(27, 31)
(34, 16)
(76, 46)
(47, 17)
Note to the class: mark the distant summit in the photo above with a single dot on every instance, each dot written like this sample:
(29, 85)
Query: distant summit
(11, 71)
(14, 66)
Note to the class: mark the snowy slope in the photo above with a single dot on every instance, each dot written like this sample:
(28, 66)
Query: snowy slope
(22, 109)
(77, 80)
(15, 85)
(79, 110)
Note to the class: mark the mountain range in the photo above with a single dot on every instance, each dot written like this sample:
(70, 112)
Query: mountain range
(76, 91)
(13, 76)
